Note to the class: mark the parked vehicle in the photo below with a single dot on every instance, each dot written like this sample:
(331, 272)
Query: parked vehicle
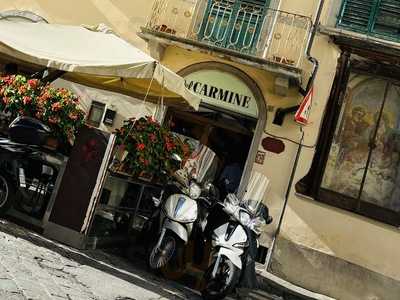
(182, 212)
(29, 165)
(237, 226)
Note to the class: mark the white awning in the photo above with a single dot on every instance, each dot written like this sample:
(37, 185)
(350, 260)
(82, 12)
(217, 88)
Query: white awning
(96, 59)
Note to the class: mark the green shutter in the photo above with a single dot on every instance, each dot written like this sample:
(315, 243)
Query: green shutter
(357, 14)
(387, 19)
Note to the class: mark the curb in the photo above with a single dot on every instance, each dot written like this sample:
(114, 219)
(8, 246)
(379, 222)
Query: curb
(276, 285)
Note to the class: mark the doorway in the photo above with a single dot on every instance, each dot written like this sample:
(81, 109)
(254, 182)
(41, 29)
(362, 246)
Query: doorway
(229, 135)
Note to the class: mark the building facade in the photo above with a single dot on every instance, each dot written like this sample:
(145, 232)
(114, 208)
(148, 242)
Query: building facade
(337, 219)
(333, 188)
(123, 17)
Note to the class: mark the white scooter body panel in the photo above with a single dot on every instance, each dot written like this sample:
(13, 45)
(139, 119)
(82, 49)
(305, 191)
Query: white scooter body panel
(181, 208)
(228, 243)
(178, 228)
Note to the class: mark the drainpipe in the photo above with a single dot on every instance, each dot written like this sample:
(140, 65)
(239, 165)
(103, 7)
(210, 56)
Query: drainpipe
(312, 59)
(310, 83)
(282, 112)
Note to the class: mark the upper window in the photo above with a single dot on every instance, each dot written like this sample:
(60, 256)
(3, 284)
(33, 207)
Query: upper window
(234, 24)
(375, 17)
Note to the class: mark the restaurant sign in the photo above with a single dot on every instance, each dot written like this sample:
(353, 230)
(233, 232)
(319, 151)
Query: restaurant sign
(224, 90)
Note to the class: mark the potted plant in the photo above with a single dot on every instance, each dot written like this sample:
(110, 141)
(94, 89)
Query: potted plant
(148, 147)
(56, 107)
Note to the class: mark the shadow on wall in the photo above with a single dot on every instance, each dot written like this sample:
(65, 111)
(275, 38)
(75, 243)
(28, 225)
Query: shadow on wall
(347, 234)
(125, 17)
(329, 275)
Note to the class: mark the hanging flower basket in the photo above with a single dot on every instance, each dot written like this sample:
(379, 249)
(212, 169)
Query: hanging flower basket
(145, 149)
(56, 107)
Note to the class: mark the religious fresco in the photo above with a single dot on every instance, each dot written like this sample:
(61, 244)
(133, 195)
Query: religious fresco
(364, 160)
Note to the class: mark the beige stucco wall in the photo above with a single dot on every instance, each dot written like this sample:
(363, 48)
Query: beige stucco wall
(336, 232)
(307, 222)
(276, 167)
(124, 16)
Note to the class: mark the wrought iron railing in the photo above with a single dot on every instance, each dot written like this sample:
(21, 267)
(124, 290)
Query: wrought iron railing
(241, 26)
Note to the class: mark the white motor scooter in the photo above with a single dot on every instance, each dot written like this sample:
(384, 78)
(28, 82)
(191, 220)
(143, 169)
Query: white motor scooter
(180, 211)
(231, 244)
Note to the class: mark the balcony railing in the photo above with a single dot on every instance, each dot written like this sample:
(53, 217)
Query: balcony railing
(240, 26)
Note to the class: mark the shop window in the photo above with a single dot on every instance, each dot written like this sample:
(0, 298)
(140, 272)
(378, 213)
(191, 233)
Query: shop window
(373, 17)
(357, 163)
(96, 114)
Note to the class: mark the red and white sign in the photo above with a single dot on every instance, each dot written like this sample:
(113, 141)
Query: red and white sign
(303, 113)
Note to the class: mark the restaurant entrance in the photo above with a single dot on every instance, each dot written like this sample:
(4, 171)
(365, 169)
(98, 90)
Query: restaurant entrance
(228, 135)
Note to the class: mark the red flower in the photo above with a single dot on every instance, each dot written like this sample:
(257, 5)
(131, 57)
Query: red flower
(151, 119)
(6, 100)
(152, 137)
(140, 146)
(39, 115)
(22, 90)
(27, 100)
(54, 120)
(170, 146)
(33, 83)
(56, 106)
(73, 116)
(9, 80)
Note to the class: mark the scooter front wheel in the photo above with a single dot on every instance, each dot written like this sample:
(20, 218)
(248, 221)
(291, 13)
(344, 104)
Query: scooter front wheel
(168, 257)
(224, 281)
(6, 195)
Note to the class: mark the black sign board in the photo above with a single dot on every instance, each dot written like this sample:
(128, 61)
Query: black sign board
(109, 117)
(79, 180)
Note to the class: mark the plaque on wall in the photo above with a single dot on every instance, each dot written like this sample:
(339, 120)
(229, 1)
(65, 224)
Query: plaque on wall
(109, 117)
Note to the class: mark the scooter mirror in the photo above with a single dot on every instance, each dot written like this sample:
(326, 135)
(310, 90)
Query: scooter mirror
(176, 157)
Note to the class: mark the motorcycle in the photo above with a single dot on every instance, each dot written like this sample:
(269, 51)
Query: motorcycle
(181, 213)
(29, 166)
(234, 246)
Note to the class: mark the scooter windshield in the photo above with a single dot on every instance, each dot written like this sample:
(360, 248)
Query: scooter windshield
(201, 166)
(255, 192)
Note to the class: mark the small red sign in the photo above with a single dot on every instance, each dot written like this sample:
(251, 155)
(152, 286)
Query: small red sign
(303, 113)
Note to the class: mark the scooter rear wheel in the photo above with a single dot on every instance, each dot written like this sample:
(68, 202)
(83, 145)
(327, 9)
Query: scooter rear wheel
(6, 195)
(224, 282)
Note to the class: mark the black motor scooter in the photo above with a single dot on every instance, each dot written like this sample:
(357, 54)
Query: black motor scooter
(29, 166)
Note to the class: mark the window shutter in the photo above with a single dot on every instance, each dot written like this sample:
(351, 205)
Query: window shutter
(356, 14)
(387, 20)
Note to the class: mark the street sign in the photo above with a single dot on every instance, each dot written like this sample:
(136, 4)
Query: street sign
(303, 113)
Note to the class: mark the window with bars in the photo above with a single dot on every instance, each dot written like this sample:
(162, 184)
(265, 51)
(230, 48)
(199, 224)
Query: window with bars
(234, 24)
(375, 17)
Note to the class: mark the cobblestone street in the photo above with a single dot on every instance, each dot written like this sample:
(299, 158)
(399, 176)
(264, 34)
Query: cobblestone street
(32, 267)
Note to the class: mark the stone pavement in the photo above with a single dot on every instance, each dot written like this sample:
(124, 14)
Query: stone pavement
(33, 267)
